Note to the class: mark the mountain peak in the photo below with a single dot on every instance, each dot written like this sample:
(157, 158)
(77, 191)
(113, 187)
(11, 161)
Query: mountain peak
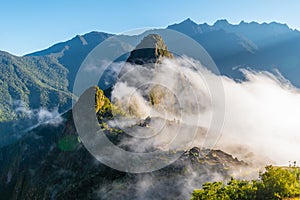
(189, 21)
(152, 41)
(150, 50)
(221, 23)
(187, 27)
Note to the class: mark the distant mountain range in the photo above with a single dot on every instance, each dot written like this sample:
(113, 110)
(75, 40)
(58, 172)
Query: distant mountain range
(45, 78)
(252, 45)
(266, 46)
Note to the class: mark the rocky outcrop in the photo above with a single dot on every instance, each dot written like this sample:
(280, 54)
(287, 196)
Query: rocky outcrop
(150, 50)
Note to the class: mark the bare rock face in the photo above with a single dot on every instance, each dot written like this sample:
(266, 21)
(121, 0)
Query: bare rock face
(150, 50)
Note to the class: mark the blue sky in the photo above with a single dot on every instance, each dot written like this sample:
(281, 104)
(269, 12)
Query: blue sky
(31, 25)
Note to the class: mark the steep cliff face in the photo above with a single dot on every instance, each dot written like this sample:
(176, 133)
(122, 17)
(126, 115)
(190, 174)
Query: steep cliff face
(150, 50)
(103, 105)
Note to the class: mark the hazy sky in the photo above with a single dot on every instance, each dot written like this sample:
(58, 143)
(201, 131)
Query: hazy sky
(31, 25)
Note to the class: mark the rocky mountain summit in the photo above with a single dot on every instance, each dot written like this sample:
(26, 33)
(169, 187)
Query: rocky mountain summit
(150, 50)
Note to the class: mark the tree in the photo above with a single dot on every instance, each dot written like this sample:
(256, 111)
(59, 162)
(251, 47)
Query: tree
(278, 183)
(274, 183)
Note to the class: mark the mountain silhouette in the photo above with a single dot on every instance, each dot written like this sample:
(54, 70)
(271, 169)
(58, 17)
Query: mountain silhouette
(272, 47)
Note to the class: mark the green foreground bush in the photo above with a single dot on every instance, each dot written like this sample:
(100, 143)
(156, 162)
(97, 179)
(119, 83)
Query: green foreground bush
(274, 183)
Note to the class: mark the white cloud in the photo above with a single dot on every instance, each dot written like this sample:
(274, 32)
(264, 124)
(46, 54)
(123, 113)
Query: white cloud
(38, 116)
(262, 112)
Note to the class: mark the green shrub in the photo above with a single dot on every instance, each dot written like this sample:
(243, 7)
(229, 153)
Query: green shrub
(274, 183)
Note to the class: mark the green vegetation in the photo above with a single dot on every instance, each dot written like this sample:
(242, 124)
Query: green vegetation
(104, 108)
(36, 81)
(275, 183)
(103, 105)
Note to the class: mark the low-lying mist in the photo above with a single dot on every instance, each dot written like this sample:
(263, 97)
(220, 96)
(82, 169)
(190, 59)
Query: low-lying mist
(39, 116)
(261, 112)
(28, 119)
(262, 115)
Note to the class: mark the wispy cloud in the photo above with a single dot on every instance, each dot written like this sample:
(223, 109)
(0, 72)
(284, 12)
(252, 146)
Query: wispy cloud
(40, 116)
